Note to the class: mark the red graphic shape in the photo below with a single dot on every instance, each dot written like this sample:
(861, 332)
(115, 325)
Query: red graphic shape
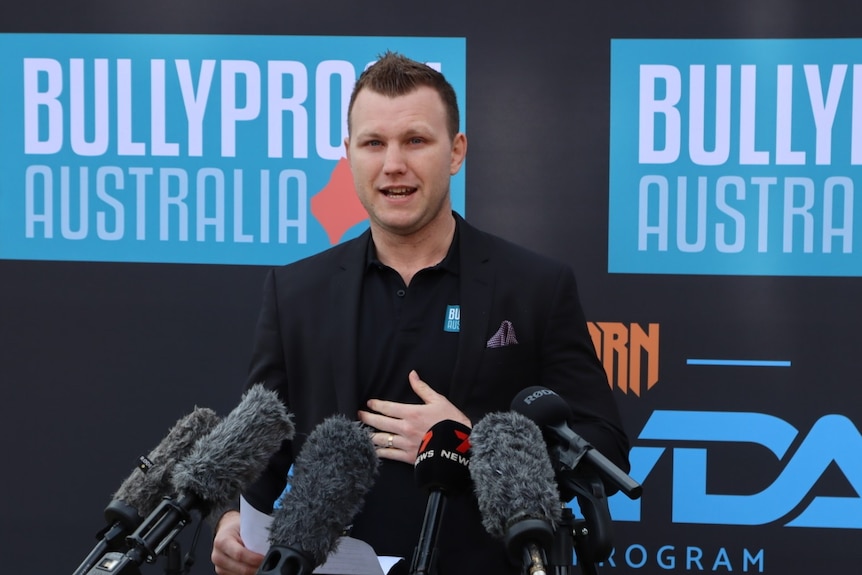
(428, 435)
(465, 441)
(337, 206)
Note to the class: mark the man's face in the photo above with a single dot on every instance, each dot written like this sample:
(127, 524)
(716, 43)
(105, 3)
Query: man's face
(402, 157)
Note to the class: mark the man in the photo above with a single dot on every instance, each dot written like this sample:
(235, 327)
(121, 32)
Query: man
(361, 328)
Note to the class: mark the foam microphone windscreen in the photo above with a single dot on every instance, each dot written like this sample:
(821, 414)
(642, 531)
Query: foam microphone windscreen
(236, 451)
(512, 474)
(443, 460)
(151, 481)
(333, 472)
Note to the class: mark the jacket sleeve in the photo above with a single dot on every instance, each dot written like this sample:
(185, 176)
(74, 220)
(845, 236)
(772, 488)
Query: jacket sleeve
(268, 367)
(570, 366)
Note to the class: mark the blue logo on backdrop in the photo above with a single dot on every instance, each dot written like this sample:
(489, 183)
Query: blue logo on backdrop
(792, 499)
(186, 148)
(735, 157)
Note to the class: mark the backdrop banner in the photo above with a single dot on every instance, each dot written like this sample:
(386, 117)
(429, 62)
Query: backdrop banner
(695, 163)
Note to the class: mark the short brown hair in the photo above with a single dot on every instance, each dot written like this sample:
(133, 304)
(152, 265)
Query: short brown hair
(396, 75)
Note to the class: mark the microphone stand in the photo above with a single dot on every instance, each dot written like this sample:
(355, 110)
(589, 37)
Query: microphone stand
(591, 537)
(560, 557)
(174, 565)
(122, 519)
(425, 555)
(571, 534)
(154, 537)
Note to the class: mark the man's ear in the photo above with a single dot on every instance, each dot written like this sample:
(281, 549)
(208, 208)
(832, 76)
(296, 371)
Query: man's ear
(459, 151)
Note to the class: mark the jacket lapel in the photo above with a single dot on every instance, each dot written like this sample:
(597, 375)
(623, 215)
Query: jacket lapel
(477, 294)
(344, 292)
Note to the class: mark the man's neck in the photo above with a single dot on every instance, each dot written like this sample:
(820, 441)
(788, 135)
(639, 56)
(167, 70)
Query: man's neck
(409, 254)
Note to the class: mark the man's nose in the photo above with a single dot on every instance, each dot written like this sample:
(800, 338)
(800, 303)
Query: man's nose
(394, 162)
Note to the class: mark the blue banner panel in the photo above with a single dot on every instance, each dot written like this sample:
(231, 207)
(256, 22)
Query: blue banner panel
(186, 148)
(735, 157)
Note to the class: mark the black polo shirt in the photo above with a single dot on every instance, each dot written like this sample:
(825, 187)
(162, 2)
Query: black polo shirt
(402, 328)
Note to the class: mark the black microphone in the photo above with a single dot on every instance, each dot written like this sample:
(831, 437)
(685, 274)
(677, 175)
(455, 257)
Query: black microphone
(141, 491)
(515, 487)
(442, 468)
(220, 464)
(333, 472)
(551, 412)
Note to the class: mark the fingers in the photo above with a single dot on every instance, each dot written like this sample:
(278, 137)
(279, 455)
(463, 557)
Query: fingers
(392, 446)
(401, 426)
(384, 440)
(229, 555)
(383, 422)
(402, 410)
(437, 407)
(422, 389)
(390, 440)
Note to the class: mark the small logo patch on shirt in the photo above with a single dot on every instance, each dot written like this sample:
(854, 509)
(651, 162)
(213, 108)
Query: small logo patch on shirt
(452, 322)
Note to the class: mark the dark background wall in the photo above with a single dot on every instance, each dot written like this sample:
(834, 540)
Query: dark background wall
(98, 360)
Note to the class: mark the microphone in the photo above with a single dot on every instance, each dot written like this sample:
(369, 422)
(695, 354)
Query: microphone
(233, 454)
(515, 487)
(236, 452)
(441, 469)
(551, 412)
(141, 491)
(333, 472)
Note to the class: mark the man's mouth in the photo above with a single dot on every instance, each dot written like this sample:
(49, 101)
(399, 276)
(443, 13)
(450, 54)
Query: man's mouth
(398, 192)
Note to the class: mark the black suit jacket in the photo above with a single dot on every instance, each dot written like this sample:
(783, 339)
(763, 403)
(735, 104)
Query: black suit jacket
(306, 344)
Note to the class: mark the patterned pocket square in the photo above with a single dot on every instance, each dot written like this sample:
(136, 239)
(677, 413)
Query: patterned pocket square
(504, 336)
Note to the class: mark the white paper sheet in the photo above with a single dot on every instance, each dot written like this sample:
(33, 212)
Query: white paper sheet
(351, 557)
